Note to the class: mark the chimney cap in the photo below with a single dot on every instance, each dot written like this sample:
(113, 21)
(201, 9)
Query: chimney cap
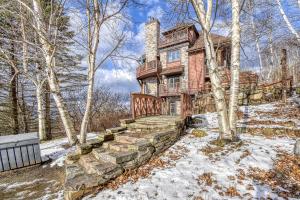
(152, 19)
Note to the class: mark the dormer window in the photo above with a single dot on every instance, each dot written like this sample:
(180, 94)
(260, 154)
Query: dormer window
(173, 55)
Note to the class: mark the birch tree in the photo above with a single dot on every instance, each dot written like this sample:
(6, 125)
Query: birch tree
(47, 36)
(98, 15)
(36, 75)
(287, 21)
(204, 18)
(235, 66)
(255, 34)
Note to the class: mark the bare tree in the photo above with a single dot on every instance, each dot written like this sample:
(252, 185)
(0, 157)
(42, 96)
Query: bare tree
(255, 34)
(47, 36)
(36, 75)
(287, 21)
(204, 18)
(98, 15)
(235, 66)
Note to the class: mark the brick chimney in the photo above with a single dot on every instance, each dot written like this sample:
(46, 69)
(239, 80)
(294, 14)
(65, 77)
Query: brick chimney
(152, 33)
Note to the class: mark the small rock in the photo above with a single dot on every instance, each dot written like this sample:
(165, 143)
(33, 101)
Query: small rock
(115, 130)
(199, 133)
(106, 137)
(83, 149)
(95, 143)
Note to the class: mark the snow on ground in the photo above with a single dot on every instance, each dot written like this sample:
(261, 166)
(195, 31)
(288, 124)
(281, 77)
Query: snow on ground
(182, 178)
(181, 181)
(57, 149)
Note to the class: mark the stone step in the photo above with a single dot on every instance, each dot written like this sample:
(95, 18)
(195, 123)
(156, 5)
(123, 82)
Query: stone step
(115, 146)
(105, 137)
(77, 181)
(96, 166)
(116, 130)
(115, 157)
(126, 139)
(136, 126)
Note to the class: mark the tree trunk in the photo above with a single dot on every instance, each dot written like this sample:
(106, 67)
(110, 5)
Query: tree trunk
(235, 67)
(218, 91)
(204, 18)
(251, 7)
(49, 52)
(41, 114)
(89, 101)
(48, 112)
(14, 100)
(297, 148)
(24, 112)
(93, 41)
(286, 20)
(272, 63)
(62, 109)
(284, 74)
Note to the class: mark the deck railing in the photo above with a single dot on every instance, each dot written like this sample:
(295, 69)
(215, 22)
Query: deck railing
(166, 90)
(143, 105)
(149, 68)
(176, 37)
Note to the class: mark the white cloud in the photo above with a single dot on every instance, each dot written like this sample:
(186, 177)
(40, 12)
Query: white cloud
(156, 12)
(120, 80)
(221, 27)
(151, 2)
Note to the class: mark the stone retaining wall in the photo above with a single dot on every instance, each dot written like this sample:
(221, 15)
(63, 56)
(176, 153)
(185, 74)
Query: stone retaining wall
(116, 150)
(249, 95)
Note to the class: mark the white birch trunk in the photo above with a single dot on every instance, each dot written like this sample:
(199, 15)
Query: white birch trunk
(41, 113)
(48, 52)
(38, 84)
(89, 100)
(62, 109)
(93, 42)
(297, 148)
(218, 92)
(235, 67)
(288, 23)
(272, 64)
(255, 35)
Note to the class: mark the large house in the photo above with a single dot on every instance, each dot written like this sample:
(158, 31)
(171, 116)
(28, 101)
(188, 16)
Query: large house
(174, 63)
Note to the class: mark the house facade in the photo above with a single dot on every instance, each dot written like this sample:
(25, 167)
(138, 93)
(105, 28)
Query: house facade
(175, 63)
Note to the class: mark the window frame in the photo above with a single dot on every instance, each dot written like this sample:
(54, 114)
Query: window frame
(172, 81)
(173, 60)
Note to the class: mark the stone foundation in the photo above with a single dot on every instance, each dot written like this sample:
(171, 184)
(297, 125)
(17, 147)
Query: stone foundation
(117, 150)
(251, 95)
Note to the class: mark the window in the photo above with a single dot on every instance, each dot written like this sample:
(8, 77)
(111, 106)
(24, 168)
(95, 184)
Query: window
(173, 81)
(173, 108)
(173, 55)
(146, 91)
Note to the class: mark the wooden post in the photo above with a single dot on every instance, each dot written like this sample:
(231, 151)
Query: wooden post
(132, 106)
(284, 73)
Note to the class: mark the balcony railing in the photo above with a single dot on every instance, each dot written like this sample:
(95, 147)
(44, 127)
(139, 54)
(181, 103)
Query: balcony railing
(167, 90)
(176, 37)
(151, 68)
(176, 69)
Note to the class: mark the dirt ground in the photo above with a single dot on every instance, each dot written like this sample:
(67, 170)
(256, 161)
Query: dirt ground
(37, 182)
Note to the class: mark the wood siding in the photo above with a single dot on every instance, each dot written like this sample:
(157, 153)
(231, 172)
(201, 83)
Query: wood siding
(196, 71)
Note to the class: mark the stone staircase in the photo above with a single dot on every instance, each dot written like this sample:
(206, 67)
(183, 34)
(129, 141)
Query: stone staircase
(116, 150)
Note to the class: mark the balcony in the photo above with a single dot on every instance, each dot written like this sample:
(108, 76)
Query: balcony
(166, 90)
(174, 38)
(152, 68)
(172, 69)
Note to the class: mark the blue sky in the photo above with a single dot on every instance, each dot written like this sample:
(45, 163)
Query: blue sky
(119, 74)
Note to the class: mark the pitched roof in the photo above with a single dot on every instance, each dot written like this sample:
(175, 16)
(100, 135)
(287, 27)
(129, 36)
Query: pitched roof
(178, 27)
(217, 39)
